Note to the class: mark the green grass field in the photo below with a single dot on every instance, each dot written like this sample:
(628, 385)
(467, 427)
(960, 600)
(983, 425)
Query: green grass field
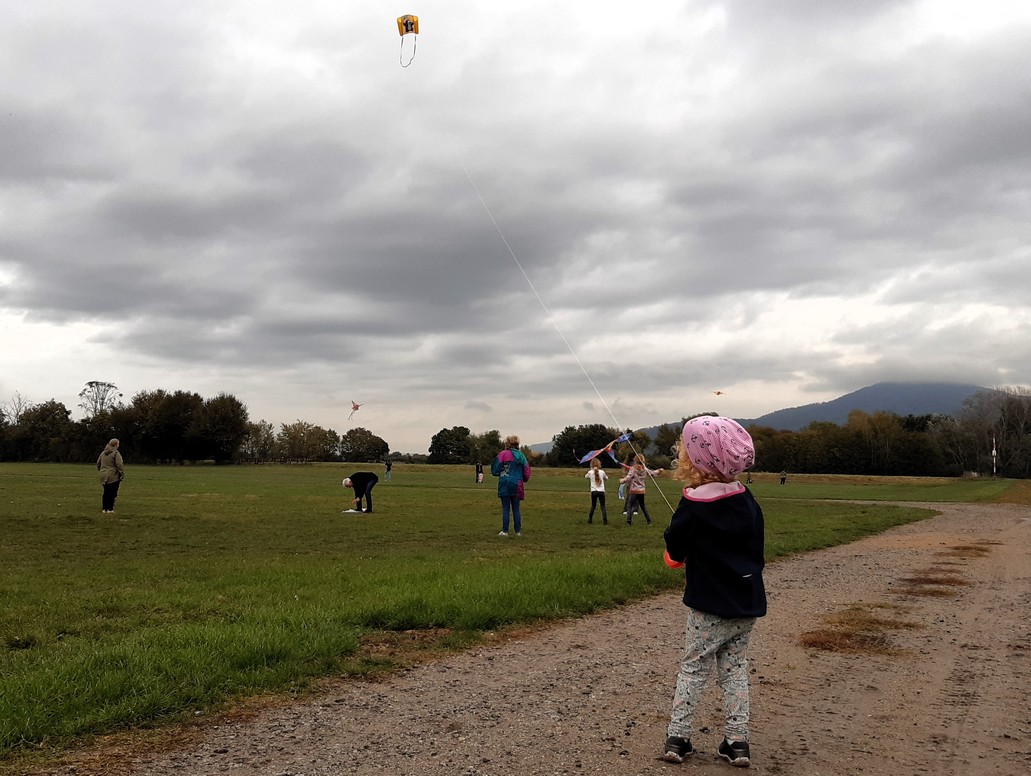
(214, 583)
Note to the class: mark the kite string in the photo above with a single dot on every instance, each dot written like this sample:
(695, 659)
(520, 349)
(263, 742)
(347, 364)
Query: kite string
(553, 320)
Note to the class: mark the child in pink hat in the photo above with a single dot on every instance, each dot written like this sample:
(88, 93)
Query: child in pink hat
(717, 536)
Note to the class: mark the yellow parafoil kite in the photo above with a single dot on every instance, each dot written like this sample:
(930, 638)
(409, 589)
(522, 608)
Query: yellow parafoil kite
(408, 25)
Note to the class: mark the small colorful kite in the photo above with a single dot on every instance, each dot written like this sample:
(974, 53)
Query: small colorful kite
(408, 25)
(354, 409)
(607, 449)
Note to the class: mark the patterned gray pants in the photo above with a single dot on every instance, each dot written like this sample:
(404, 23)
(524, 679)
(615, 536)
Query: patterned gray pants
(720, 642)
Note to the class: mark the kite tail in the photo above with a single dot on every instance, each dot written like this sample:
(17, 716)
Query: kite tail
(400, 57)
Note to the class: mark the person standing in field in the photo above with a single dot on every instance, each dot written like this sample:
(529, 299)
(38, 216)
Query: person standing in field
(387, 466)
(112, 472)
(597, 477)
(634, 480)
(717, 536)
(362, 483)
(512, 470)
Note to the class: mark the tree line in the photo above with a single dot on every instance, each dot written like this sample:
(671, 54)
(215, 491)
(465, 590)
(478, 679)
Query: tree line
(990, 435)
(169, 427)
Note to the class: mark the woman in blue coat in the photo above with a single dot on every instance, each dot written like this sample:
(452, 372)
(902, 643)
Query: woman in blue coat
(512, 470)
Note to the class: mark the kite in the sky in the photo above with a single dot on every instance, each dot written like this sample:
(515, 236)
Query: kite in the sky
(354, 409)
(717, 393)
(607, 449)
(408, 25)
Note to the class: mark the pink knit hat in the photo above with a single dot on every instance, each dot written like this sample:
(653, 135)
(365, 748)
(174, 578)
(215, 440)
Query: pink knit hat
(718, 446)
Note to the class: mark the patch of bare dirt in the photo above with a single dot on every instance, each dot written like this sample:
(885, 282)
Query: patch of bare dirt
(940, 686)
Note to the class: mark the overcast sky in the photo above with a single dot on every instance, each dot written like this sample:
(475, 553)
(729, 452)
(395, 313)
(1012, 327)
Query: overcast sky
(558, 214)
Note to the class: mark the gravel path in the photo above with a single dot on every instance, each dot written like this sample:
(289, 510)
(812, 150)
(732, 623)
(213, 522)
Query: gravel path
(591, 696)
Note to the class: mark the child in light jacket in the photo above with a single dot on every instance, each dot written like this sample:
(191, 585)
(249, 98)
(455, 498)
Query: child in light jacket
(634, 480)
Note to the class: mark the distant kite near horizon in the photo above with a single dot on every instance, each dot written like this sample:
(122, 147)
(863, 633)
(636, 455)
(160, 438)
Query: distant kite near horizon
(717, 393)
(408, 25)
(354, 408)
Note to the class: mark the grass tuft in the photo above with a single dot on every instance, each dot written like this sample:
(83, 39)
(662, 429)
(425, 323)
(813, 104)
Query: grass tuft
(853, 642)
(933, 579)
(925, 592)
(965, 551)
(859, 629)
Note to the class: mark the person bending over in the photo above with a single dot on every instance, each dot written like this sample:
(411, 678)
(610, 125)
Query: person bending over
(362, 483)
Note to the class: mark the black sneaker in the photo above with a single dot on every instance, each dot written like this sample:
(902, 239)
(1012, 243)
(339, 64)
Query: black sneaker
(677, 749)
(735, 753)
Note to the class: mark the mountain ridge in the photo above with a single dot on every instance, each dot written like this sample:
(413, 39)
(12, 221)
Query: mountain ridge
(896, 397)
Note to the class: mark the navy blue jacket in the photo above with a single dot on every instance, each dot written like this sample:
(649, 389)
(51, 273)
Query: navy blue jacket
(360, 482)
(720, 537)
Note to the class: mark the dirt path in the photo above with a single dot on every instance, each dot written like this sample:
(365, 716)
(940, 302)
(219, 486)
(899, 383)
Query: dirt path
(949, 697)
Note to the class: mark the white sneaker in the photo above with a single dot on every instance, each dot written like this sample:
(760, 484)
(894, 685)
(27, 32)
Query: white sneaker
(502, 533)
(519, 533)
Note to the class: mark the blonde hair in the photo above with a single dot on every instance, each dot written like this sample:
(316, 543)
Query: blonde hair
(113, 443)
(596, 466)
(687, 472)
(511, 441)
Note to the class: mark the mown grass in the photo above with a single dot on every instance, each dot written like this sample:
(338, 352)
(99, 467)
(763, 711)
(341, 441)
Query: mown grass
(841, 486)
(214, 583)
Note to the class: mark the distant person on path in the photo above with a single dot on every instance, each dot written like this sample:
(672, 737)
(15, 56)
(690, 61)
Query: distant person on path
(479, 473)
(387, 467)
(362, 483)
(112, 472)
(597, 477)
(783, 477)
(635, 481)
(512, 470)
(717, 535)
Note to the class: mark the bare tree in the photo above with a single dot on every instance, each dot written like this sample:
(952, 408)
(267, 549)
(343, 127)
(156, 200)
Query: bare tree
(1014, 427)
(14, 408)
(98, 397)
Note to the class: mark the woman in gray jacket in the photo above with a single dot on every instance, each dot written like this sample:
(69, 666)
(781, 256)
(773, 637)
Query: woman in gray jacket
(109, 464)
